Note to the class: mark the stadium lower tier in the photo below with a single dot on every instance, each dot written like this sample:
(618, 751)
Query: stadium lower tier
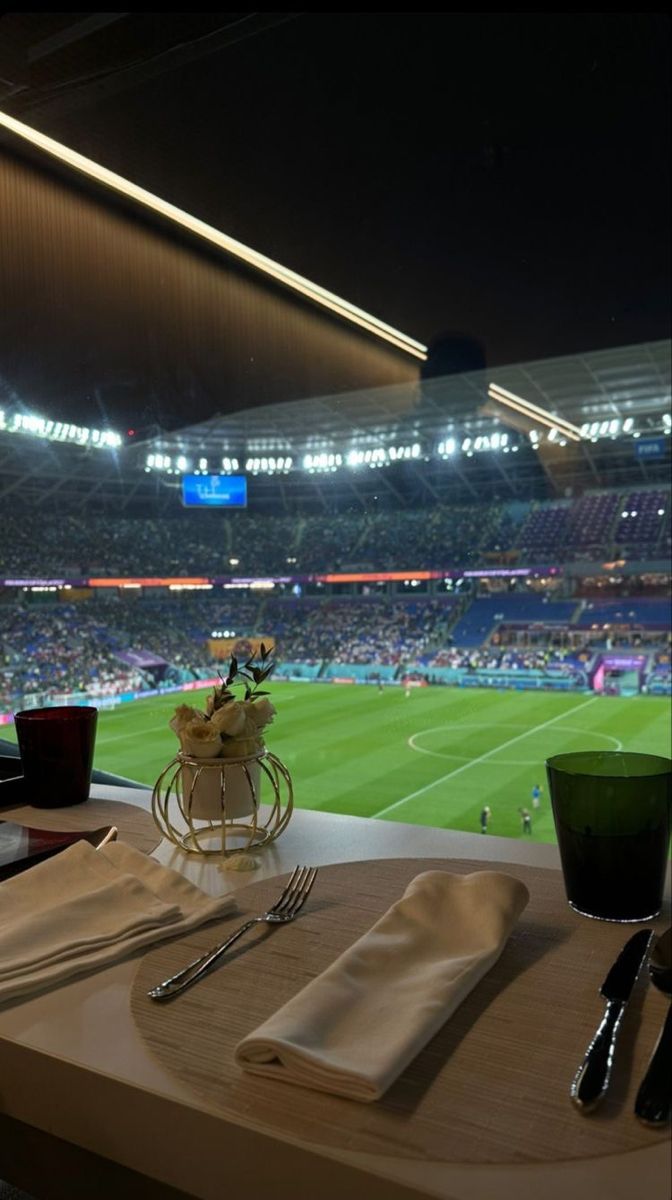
(106, 648)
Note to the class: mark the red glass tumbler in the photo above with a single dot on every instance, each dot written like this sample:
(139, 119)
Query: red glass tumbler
(56, 746)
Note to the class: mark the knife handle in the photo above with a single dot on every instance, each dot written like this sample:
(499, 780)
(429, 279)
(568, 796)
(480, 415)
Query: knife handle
(592, 1078)
(653, 1105)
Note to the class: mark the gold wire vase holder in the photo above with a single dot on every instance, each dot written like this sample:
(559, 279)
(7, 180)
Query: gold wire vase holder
(213, 806)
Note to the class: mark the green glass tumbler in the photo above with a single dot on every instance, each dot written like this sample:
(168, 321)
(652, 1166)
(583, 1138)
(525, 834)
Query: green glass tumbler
(612, 819)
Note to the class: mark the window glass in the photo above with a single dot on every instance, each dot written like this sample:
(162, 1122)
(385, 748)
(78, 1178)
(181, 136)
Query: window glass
(361, 353)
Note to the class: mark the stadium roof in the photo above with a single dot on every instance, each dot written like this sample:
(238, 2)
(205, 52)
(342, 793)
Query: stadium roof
(633, 381)
(440, 440)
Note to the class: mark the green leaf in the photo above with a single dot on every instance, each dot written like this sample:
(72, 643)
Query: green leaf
(257, 694)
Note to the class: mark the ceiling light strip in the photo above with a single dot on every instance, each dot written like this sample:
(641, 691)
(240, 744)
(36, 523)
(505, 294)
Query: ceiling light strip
(536, 417)
(532, 410)
(208, 233)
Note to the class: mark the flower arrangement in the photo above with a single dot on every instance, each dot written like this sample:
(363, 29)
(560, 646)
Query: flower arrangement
(224, 793)
(230, 727)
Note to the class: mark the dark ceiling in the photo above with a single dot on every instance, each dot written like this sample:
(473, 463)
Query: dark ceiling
(502, 174)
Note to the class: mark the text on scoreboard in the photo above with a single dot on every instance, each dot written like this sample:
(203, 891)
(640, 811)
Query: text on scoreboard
(214, 491)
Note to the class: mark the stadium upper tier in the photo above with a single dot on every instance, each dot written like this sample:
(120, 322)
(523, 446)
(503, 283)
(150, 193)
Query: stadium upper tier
(632, 524)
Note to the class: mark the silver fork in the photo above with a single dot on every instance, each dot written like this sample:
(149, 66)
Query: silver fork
(286, 908)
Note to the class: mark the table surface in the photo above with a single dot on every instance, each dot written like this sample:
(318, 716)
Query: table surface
(74, 1064)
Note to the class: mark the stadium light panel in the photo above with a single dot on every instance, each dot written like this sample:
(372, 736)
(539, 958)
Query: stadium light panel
(208, 233)
(58, 431)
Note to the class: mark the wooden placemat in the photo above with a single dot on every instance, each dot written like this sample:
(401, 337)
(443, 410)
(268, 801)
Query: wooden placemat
(491, 1087)
(135, 825)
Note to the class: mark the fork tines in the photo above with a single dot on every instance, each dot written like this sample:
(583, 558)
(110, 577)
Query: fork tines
(296, 892)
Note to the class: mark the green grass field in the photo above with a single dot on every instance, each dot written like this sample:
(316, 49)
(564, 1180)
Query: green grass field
(434, 758)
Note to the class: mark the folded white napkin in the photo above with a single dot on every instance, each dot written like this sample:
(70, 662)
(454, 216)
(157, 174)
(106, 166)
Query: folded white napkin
(355, 1028)
(86, 908)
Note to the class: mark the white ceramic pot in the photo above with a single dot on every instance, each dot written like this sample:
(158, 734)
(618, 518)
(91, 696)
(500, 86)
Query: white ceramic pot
(225, 791)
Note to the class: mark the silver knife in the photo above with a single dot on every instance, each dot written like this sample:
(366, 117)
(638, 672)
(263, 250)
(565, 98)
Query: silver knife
(592, 1078)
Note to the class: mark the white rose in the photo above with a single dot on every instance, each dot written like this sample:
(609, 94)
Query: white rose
(263, 712)
(199, 740)
(241, 747)
(184, 715)
(229, 719)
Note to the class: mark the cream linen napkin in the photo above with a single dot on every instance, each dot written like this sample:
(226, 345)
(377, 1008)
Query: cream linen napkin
(86, 908)
(355, 1028)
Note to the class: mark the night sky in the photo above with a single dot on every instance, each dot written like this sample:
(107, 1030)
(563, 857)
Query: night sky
(503, 175)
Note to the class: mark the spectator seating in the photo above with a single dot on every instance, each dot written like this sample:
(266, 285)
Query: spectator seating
(632, 612)
(484, 615)
(47, 544)
(591, 521)
(56, 648)
(544, 533)
(642, 521)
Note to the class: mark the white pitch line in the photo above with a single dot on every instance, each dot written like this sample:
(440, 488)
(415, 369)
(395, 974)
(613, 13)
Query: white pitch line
(481, 725)
(483, 757)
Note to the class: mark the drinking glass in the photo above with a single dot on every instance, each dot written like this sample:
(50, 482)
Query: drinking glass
(56, 746)
(612, 819)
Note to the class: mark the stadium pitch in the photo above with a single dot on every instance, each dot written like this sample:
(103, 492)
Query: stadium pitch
(435, 757)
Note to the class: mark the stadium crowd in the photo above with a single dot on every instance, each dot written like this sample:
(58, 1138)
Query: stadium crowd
(46, 544)
(59, 651)
(129, 641)
(487, 658)
(351, 631)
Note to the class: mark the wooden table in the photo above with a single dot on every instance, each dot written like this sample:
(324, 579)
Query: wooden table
(86, 1109)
